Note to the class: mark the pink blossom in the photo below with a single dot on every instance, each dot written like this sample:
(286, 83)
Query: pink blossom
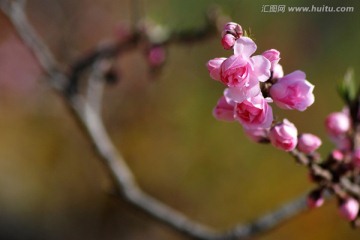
(228, 41)
(257, 134)
(224, 110)
(349, 209)
(284, 136)
(315, 200)
(337, 123)
(273, 56)
(236, 70)
(254, 112)
(356, 158)
(293, 92)
(213, 67)
(156, 56)
(308, 143)
(232, 28)
(277, 72)
(242, 73)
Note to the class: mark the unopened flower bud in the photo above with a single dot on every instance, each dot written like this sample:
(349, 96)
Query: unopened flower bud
(228, 41)
(233, 29)
(315, 199)
(293, 92)
(337, 123)
(308, 143)
(284, 136)
(156, 56)
(349, 209)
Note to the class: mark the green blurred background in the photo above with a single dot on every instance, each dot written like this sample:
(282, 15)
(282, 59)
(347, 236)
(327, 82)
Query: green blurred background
(52, 185)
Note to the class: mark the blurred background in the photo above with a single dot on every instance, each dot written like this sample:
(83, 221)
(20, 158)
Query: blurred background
(52, 185)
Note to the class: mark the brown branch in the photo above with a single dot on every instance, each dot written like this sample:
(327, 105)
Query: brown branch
(103, 51)
(92, 125)
(136, 196)
(339, 186)
(141, 33)
(112, 49)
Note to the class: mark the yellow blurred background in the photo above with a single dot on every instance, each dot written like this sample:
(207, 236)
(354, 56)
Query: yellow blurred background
(52, 186)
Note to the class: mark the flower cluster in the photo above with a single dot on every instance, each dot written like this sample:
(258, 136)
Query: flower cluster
(252, 83)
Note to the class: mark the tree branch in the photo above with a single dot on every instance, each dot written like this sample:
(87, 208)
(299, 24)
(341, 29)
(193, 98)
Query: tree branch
(93, 126)
(339, 185)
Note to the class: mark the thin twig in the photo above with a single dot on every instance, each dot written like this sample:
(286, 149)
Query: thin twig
(114, 162)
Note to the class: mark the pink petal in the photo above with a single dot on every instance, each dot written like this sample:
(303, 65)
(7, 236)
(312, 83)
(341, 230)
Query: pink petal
(244, 47)
(269, 116)
(238, 94)
(278, 91)
(223, 110)
(213, 67)
(233, 61)
(273, 56)
(228, 41)
(294, 75)
(261, 67)
(278, 71)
